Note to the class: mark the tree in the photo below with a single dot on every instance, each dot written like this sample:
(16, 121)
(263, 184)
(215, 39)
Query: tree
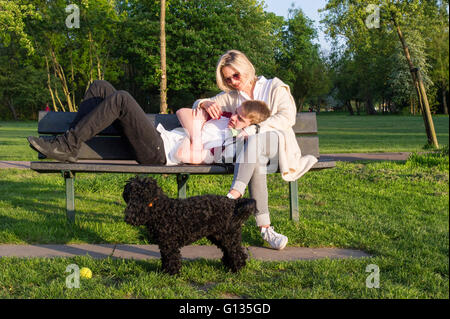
(301, 64)
(120, 41)
(12, 22)
(349, 19)
(163, 106)
(439, 53)
(197, 33)
(74, 57)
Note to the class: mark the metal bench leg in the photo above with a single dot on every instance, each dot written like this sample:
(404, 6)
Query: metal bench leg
(293, 193)
(70, 195)
(181, 181)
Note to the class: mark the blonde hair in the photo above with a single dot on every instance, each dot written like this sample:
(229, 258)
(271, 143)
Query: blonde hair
(238, 61)
(256, 111)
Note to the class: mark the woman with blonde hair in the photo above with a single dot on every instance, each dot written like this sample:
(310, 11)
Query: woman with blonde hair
(271, 141)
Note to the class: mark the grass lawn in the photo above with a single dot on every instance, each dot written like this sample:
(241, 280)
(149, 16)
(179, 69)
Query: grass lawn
(398, 212)
(338, 133)
(342, 133)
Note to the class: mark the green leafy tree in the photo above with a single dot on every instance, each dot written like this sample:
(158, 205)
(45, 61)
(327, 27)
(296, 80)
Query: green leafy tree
(13, 15)
(301, 63)
(439, 53)
(349, 19)
(197, 32)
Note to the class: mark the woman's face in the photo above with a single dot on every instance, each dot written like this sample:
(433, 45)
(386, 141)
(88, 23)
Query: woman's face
(233, 78)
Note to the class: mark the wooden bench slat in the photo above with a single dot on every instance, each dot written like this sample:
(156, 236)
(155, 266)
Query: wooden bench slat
(59, 122)
(305, 123)
(309, 145)
(55, 167)
(103, 148)
(116, 148)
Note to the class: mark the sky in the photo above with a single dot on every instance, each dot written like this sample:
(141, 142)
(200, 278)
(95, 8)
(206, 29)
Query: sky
(309, 8)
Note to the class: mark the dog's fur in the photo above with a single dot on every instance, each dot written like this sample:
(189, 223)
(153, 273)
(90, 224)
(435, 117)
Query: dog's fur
(174, 223)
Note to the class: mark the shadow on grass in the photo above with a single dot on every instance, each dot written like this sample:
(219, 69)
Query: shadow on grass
(36, 218)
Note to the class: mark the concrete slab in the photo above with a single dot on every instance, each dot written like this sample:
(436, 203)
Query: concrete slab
(303, 253)
(140, 252)
(50, 251)
(351, 157)
(14, 164)
(144, 252)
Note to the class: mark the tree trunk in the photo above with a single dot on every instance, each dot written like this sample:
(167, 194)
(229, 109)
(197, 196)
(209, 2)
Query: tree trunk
(420, 89)
(13, 110)
(444, 101)
(163, 86)
(60, 73)
(49, 85)
(349, 107)
(358, 107)
(300, 104)
(392, 108)
(370, 109)
(91, 76)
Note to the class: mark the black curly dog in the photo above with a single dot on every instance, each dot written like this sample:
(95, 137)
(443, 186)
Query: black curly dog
(175, 223)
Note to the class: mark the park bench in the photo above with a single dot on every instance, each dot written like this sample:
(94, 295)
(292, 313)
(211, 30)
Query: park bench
(109, 153)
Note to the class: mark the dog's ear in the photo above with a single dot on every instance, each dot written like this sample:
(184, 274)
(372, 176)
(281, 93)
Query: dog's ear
(243, 209)
(128, 189)
(126, 193)
(151, 187)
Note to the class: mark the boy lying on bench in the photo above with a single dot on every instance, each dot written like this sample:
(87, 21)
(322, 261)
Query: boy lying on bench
(103, 106)
(200, 136)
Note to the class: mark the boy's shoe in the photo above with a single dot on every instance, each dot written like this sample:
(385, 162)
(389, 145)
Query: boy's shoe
(56, 148)
(275, 240)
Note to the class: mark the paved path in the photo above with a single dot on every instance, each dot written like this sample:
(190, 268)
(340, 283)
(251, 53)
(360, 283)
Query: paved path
(351, 157)
(344, 157)
(142, 252)
(14, 164)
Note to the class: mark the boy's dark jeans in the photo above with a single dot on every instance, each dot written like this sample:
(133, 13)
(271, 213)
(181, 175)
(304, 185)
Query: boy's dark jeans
(103, 106)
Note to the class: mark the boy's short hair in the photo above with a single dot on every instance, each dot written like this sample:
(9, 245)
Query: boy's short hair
(256, 111)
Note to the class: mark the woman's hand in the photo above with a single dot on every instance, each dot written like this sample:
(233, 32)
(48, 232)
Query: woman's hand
(214, 110)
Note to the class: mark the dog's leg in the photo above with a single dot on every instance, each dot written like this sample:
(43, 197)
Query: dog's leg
(170, 259)
(234, 256)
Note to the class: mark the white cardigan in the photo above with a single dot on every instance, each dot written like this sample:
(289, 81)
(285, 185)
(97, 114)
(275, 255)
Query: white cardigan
(283, 116)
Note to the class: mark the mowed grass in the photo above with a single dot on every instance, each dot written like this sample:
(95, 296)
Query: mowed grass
(397, 212)
(338, 133)
(342, 133)
(13, 143)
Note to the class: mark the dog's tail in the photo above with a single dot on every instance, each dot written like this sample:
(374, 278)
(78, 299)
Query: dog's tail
(243, 209)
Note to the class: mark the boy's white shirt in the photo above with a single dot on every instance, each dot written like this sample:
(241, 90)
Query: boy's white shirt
(215, 134)
(278, 97)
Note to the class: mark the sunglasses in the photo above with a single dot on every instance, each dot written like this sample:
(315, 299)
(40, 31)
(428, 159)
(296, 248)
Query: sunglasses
(235, 77)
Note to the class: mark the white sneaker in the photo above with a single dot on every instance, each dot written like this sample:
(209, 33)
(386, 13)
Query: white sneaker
(275, 240)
